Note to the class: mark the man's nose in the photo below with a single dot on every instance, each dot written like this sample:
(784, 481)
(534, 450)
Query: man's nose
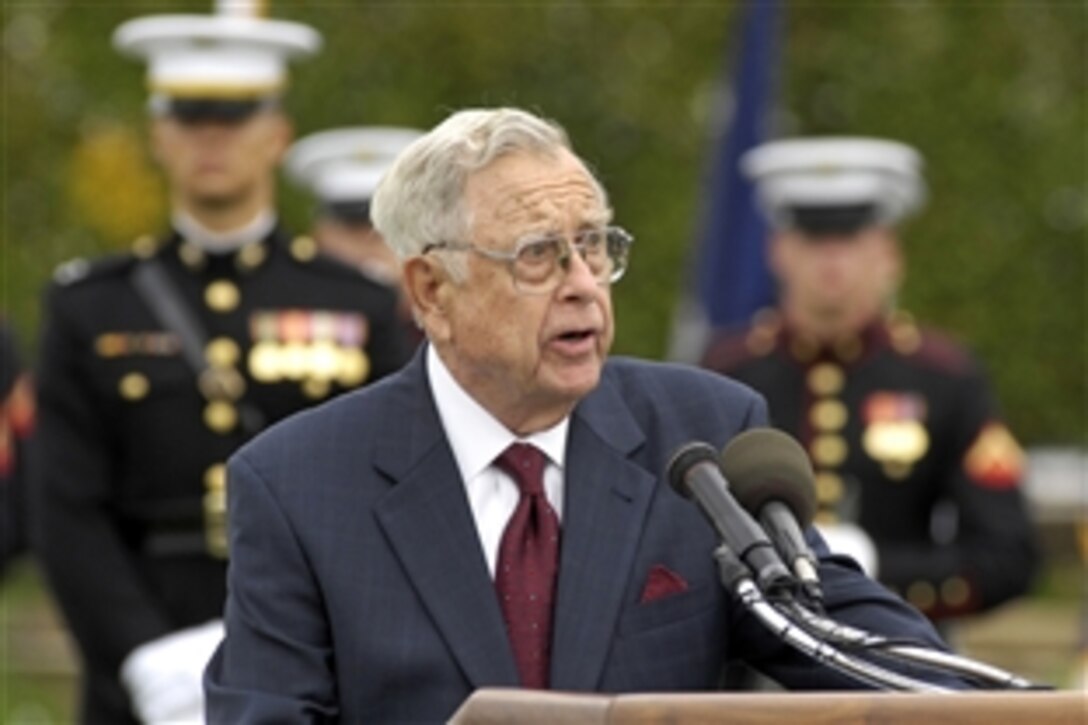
(579, 277)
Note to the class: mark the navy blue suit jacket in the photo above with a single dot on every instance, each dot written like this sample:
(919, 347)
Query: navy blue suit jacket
(358, 590)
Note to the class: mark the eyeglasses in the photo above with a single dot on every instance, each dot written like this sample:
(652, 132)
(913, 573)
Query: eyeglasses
(538, 263)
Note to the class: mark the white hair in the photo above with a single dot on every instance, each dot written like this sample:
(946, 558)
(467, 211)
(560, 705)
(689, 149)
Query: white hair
(420, 200)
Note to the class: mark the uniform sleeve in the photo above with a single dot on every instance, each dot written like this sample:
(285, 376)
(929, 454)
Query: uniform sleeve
(993, 554)
(850, 598)
(276, 662)
(16, 422)
(75, 533)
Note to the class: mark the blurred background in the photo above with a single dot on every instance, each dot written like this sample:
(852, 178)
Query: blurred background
(993, 94)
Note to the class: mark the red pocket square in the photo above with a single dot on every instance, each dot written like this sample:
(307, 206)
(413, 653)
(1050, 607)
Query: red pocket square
(662, 582)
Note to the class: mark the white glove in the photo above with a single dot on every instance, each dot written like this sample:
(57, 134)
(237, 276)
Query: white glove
(851, 540)
(164, 676)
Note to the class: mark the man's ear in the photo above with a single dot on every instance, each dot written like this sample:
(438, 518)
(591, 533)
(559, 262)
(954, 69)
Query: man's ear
(895, 263)
(154, 139)
(776, 253)
(429, 286)
(283, 132)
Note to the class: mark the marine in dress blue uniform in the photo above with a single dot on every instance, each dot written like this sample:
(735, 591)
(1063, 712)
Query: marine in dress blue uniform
(139, 412)
(914, 463)
(341, 169)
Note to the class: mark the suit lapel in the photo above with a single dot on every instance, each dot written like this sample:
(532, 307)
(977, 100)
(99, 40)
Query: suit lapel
(607, 497)
(429, 525)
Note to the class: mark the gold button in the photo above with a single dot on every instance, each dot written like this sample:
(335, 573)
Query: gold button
(215, 510)
(220, 416)
(191, 255)
(921, 595)
(264, 362)
(134, 386)
(215, 478)
(303, 248)
(222, 352)
(221, 383)
(222, 295)
(354, 367)
(955, 591)
(825, 379)
(828, 415)
(828, 451)
(849, 349)
(251, 256)
(829, 488)
(144, 246)
(905, 336)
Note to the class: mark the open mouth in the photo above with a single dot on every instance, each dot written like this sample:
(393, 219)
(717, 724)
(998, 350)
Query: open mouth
(576, 335)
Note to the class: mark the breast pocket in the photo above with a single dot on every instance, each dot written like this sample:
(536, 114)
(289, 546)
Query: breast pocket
(675, 643)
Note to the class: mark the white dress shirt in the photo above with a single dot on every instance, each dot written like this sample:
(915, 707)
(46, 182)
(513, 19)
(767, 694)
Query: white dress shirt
(477, 439)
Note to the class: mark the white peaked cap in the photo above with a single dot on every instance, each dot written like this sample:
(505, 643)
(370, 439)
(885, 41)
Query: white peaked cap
(836, 172)
(229, 55)
(346, 164)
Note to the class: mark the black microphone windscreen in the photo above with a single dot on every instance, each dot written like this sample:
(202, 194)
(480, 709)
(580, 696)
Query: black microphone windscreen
(686, 456)
(765, 464)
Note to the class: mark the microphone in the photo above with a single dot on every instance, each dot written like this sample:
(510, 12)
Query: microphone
(771, 477)
(695, 472)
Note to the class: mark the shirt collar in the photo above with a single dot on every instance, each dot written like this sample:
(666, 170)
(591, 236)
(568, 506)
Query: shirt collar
(477, 437)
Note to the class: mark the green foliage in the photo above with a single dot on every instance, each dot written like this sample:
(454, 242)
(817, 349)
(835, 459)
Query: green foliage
(992, 93)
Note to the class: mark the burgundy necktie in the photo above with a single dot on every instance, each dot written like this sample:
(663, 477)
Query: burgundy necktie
(528, 561)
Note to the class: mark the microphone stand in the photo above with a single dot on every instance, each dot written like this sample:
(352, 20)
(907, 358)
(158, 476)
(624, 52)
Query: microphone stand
(829, 629)
(736, 577)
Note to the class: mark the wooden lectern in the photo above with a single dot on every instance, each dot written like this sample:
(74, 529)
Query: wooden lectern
(533, 707)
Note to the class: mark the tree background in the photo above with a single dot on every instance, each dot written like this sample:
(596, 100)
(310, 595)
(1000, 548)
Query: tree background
(992, 93)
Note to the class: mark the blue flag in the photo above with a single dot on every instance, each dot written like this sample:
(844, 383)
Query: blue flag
(734, 281)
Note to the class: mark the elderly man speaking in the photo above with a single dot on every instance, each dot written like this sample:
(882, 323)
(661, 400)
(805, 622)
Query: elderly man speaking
(497, 513)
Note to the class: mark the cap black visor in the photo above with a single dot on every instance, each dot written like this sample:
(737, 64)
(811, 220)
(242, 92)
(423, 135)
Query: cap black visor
(825, 221)
(348, 212)
(197, 110)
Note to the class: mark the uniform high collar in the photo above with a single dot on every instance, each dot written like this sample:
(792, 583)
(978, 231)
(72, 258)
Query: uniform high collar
(224, 242)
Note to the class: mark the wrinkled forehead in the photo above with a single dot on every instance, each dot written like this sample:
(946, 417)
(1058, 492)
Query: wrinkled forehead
(534, 189)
